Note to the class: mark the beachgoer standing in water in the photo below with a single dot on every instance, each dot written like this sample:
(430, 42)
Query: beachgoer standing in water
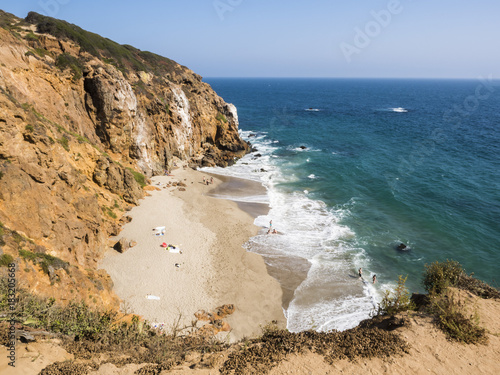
(374, 278)
(270, 223)
(360, 273)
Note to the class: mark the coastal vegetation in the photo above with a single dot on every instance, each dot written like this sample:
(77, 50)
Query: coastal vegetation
(139, 177)
(90, 334)
(397, 300)
(66, 60)
(124, 57)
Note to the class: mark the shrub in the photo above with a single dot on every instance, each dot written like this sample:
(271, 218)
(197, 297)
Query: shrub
(64, 142)
(397, 300)
(5, 260)
(29, 128)
(44, 260)
(95, 331)
(220, 117)
(41, 52)
(31, 37)
(438, 276)
(451, 319)
(109, 211)
(65, 60)
(139, 177)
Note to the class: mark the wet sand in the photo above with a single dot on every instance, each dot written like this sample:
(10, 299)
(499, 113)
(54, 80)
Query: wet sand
(288, 270)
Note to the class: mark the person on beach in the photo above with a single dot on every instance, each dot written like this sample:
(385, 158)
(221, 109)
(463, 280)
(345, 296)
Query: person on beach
(269, 231)
(374, 278)
(211, 180)
(360, 272)
(275, 231)
(204, 180)
(270, 223)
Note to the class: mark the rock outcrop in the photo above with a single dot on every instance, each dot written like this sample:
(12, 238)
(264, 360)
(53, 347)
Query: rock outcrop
(84, 122)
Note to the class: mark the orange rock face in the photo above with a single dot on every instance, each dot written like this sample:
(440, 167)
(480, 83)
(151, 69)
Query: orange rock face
(78, 137)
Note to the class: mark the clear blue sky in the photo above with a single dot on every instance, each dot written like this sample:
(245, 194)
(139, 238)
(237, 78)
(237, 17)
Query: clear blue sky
(292, 38)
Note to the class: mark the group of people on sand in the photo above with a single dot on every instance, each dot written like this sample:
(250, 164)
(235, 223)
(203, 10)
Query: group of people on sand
(208, 181)
(360, 273)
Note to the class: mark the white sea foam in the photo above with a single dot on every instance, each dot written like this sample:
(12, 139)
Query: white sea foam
(312, 176)
(398, 109)
(330, 297)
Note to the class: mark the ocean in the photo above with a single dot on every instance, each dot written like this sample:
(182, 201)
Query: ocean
(353, 168)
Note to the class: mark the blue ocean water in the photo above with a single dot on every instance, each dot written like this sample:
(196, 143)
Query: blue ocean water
(354, 167)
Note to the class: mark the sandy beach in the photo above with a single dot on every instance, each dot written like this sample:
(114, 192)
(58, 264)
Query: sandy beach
(213, 268)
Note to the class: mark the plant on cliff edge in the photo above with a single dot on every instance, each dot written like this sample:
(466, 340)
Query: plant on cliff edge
(451, 316)
(398, 300)
(438, 276)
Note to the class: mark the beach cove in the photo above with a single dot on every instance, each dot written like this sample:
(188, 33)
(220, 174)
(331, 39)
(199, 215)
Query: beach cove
(213, 269)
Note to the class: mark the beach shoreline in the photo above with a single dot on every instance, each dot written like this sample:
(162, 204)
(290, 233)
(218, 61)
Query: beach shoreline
(214, 269)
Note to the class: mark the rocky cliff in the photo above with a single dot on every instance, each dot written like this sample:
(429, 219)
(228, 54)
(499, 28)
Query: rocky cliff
(83, 122)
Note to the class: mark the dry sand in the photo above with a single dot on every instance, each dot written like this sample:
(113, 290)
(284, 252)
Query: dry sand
(214, 268)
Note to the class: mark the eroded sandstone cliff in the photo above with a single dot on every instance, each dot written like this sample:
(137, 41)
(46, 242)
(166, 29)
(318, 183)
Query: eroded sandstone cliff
(83, 122)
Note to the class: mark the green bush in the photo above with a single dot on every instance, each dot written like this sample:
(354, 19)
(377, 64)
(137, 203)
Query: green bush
(64, 142)
(109, 211)
(32, 37)
(438, 276)
(65, 60)
(139, 177)
(5, 260)
(41, 52)
(29, 128)
(44, 260)
(451, 319)
(124, 57)
(398, 300)
(220, 117)
(88, 331)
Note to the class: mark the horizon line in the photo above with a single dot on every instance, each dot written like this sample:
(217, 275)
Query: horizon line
(326, 77)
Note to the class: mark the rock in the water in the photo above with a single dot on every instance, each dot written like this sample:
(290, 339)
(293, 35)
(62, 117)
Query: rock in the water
(402, 247)
(302, 147)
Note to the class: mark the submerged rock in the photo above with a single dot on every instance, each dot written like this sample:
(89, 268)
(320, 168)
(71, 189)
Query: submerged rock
(402, 247)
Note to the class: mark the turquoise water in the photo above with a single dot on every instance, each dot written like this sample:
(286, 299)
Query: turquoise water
(355, 167)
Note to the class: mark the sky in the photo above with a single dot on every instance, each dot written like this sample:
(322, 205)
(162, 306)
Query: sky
(298, 38)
